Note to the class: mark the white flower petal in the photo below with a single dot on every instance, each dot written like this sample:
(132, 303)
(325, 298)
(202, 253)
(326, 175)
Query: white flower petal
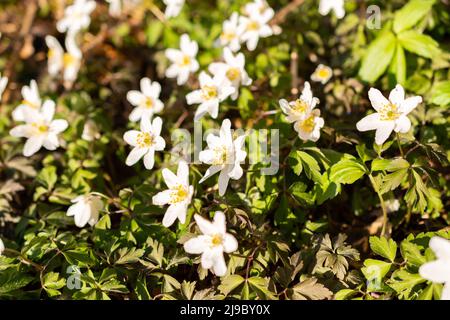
(149, 159)
(33, 144)
(397, 95)
(135, 155)
(162, 198)
(370, 122)
(441, 247)
(402, 124)
(205, 226)
(130, 137)
(384, 131)
(223, 182)
(196, 245)
(219, 265)
(435, 271)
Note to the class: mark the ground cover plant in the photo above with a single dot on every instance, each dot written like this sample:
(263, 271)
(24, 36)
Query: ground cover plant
(224, 149)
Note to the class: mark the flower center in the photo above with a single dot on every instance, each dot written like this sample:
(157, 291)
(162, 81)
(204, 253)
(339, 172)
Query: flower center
(323, 73)
(216, 240)
(228, 36)
(185, 61)
(30, 104)
(389, 112)
(253, 26)
(308, 124)
(209, 92)
(233, 74)
(300, 106)
(40, 127)
(220, 156)
(144, 140)
(179, 193)
(68, 59)
(148, 103)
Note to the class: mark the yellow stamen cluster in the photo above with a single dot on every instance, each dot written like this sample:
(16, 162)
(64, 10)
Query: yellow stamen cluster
(228, 36)
(308, 124)
(233, 74)
(144, 140)
(40, 127)
(68, 59)
(220, 156)
(185, 61)
(216, 240)
(179, 193)
(300, 106)
(389, 112)
(253, 26)
(148, 103)
(323, 73)
(209, 92)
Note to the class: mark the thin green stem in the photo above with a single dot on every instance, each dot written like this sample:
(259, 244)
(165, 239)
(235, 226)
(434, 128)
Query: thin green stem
(382, 204)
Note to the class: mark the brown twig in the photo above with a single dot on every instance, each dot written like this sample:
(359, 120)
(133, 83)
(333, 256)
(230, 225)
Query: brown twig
(281, 15)
(30, 13)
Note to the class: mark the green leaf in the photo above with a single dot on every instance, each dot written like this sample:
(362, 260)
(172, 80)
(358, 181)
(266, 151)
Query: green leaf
(384, 247)
(153, 32)
(393, 180)
(11, 280)
(260, 286)
(347, 171)
(411, 253)
(310, 289)
(411, 13)
(398, 65)
(229, 283)
(389, 164)
(418, 43)
(375, 270)
(52, 282)
(441, 94)
(378, 57)
(130, 255)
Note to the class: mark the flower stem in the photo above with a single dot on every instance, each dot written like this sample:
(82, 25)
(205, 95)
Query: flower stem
(400, 145)
(382, 204)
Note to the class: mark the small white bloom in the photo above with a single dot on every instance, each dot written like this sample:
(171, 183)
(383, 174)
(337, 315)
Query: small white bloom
(116, 7)
(40, 129)
(90, 131)
(224, 155)
(2, 247)
(300, 108)
(146, 101)
(213, 243)
(439, 270)
(31, 101)
(337, 6)
(212, 91)
(76, 16)
(260, 7)
(392, 205)
(145, 142)
(183, 61)
(307, 120)
(230, 36)
(391, 115)
(3, 83)
(322, 74)
(85, 210)
(232, 70)
(255, 26)
(178, 196)
(69, 61)
(173, 8)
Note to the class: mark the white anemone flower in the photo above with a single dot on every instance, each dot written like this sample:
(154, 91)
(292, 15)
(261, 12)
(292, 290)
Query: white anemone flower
(76, 16)
(145, 142)
(40, 129)
(309, 127)
(69, 61)
(212, 243)
(178, 196)
(85, 210)
(146, 101)
(438, 271)
(183, 61)
(173, 8)
(2, 247)
(255, 26)
(391, 115)
(212, 91)
(31, 101)
(3, 84)
(258, 6)
(337, 6)
(225, 155)
(300, 108)
(230, 33)
(116, 7)
(233, 69)
(322, 74)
